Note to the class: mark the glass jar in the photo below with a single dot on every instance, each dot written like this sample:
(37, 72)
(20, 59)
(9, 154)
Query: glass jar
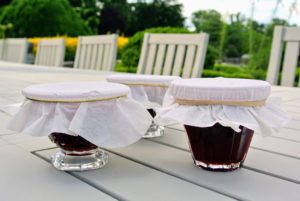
(150, 91)
(220, 117)
(77, 154)
(218, 148)
(154, 130)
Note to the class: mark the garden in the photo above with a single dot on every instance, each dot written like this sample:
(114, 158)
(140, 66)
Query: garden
(238, 46)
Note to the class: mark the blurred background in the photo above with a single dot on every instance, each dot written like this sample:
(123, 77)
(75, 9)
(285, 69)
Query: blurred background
(240, 30)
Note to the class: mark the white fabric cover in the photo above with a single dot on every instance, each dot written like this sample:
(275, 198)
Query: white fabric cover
(108, 124)
(75, 91)
(264, 120)
(141, 79)
(141, 89)
(220, 89)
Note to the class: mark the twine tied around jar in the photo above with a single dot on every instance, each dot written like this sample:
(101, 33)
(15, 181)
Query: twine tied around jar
(145, 84)
(76, 101)
(256, 103)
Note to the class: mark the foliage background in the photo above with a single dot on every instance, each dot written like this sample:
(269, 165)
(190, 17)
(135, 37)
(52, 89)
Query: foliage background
(232, 38)
(43, 18)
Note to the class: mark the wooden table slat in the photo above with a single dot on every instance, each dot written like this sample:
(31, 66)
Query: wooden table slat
(132, 181)
(263, 161)
(242, 184)
(26, 177)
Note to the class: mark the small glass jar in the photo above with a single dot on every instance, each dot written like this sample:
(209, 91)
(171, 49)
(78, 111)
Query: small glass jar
(148, 90)
(77, 154)
(79, 117)
(154, 130)
(220, 116)
(218, 148)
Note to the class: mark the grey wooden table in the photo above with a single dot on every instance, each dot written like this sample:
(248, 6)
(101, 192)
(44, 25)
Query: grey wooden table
(156, 169)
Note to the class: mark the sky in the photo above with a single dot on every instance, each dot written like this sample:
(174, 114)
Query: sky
(262, 13)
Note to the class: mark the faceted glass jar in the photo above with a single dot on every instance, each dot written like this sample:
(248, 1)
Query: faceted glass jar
(154, 129)
(219, 148)
(77, 154)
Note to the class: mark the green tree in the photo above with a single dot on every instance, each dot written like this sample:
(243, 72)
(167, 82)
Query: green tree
(4, 2)
(43, 18)
(209, 21)
(129, 18)
(89, 11)
(237, 37)
(262, 45)
(4, 29)
(157, 13)
(261, 51)
(223, 37)
(114, 17)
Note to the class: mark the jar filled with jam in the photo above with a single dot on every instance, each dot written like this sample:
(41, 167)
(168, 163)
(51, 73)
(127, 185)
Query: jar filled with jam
(76, 153)
(81, 117)
(218, 147)
(149, 90)
(220, 116)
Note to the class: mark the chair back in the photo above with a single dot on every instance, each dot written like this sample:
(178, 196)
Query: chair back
(96, 52)
(50, 52)
(290, 36)
(173, 54)
(15, 50)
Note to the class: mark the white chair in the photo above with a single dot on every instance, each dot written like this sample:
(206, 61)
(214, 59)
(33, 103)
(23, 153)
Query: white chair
(50, 52)
(96, 52)
(15, 50)
(290, 36)
(173, 54)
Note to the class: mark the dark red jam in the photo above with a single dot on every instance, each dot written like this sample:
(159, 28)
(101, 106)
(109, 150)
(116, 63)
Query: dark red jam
(152, 112)
(76, 144)
(216, 147)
